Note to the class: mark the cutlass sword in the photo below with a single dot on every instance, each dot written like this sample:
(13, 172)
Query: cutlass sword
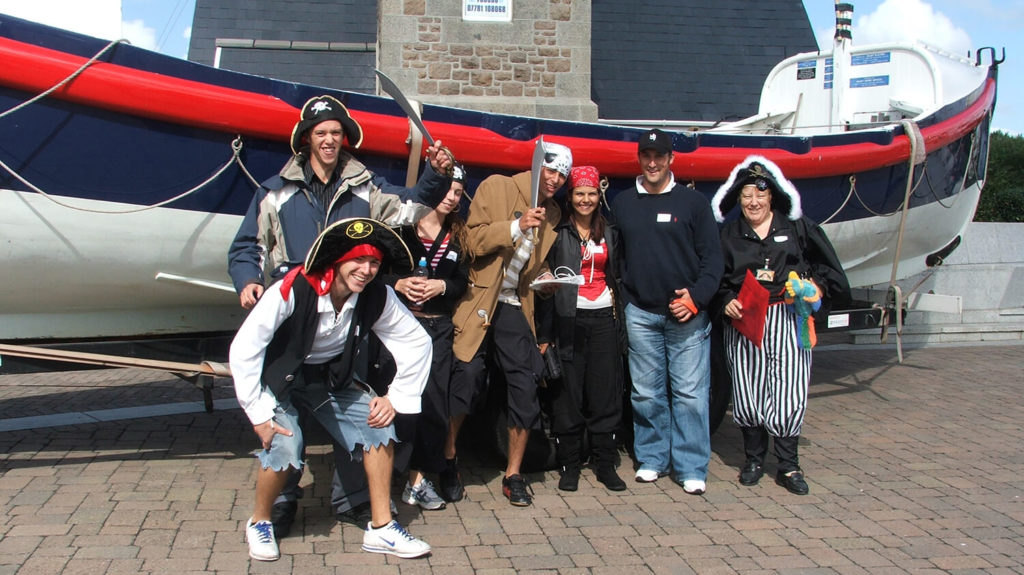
(396, 94)
(536, 167)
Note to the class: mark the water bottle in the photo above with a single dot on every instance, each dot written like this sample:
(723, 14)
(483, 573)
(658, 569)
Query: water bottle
(421, 271)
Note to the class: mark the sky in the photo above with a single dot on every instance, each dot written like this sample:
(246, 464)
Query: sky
(958, 26)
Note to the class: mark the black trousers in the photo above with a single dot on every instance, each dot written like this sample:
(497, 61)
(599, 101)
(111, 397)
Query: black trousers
(513, 348)
(422, 435)
(589, 395)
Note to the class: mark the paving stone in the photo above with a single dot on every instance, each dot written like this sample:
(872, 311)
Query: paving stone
(889, 492)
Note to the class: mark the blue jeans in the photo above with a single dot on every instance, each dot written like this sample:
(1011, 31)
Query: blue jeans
(342, 414)
(670, 364)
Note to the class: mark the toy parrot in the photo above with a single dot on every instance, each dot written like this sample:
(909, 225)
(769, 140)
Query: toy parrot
(802, 297)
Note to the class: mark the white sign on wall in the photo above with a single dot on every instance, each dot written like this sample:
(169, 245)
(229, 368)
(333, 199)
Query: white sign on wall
(487, 10)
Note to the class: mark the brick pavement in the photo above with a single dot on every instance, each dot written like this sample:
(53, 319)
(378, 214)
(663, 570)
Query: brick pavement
(914, 468)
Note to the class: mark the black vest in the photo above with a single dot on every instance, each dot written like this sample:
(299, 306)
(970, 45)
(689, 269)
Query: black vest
(282, 364)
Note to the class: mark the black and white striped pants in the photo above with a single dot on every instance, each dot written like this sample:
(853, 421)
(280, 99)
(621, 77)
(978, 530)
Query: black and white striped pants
(769, 385)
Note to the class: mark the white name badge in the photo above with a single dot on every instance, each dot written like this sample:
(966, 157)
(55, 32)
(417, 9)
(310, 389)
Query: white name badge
(780, 239)
(664, 218)
(451, 256)
(597, 249)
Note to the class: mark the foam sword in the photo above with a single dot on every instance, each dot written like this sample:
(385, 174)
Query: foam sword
(536, 168)
(396, 94)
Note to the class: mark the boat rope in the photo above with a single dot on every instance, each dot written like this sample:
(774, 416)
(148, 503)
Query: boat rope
(236, 149)
(70, 77)
(963, 180)
(853, 190)
(917, 156)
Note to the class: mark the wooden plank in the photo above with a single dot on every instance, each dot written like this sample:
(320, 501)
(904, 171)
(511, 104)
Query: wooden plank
(185, 369)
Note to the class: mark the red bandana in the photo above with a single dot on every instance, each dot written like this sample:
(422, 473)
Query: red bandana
(321, 281)
(584, 176)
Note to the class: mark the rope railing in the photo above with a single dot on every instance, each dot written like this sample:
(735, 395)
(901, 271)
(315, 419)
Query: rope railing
(236, 149)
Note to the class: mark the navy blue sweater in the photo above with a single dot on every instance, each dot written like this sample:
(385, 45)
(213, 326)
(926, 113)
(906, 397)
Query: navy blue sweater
(669, 242)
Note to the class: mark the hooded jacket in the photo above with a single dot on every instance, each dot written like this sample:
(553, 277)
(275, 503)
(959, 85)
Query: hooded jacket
(284, 218)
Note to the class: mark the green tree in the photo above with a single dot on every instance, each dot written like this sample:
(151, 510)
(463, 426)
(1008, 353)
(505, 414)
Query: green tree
(1002, 200)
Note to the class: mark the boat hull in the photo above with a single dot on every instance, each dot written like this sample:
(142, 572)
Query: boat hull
(118, 204)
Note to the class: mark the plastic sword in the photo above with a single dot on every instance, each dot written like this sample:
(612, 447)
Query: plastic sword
(396, 94)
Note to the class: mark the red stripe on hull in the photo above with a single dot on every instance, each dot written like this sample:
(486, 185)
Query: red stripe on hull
(125, 90)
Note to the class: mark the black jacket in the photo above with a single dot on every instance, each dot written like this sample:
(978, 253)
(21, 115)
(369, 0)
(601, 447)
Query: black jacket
(799, 245)
(556, 316)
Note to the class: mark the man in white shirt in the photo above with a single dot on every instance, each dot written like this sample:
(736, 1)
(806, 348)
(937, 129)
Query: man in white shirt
(304, 346)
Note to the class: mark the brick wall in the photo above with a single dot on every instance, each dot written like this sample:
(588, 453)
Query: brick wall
(538, 64)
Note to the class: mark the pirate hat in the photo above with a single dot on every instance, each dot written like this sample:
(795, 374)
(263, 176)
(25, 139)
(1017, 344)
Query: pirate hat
(342, 236)
(763, 173)
(321, 109)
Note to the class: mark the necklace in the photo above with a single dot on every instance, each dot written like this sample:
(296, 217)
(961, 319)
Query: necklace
(584, 235)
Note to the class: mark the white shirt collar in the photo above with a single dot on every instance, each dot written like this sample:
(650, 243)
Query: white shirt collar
(668, 186)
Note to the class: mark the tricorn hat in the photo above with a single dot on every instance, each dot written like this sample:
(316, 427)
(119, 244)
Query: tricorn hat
(321, 109)
(342, 236)
(765, 174)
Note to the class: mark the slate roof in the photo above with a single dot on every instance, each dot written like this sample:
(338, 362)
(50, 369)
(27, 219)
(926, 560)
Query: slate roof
(694, 60)
(320, 22)
(675, 59)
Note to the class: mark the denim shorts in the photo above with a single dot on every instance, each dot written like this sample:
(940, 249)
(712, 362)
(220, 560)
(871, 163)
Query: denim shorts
(343, 414)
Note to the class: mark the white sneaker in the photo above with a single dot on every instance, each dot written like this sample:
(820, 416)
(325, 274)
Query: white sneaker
(424, 495)
(694, 486)
(646, 476)
(394, 540)
(262, 545)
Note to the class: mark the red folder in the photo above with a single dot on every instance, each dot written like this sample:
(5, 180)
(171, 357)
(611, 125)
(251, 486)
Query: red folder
(754, 299)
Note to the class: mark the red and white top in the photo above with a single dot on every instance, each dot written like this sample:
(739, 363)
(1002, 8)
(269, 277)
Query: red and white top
(594, 293)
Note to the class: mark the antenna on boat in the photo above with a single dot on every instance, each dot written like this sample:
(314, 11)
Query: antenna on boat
(841, 45)
(844, 21)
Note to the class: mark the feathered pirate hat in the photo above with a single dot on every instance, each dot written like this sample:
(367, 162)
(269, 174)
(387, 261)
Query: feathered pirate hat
(785, 197)
(321, 109)
(343, 236)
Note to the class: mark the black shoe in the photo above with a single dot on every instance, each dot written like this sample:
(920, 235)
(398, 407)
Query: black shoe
(282, 515)
(517, 491)
(570, 479)
(451, 481)
(793, 481)
(751, 473)
(359, 515)
(606, 474)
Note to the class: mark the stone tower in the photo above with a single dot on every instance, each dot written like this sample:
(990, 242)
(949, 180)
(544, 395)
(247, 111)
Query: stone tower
(537, 63)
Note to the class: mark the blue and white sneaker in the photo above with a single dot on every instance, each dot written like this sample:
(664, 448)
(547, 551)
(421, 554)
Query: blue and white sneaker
(393, 540)
(424, 495)
(262, 545)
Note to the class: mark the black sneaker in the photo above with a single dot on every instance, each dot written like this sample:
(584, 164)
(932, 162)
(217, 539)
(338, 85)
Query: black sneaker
(751, 473)
(282, 515)
(451, 481)
(793, 481)
(517, 491)
(359, 515)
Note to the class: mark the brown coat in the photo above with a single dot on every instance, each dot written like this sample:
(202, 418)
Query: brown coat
(498, 202)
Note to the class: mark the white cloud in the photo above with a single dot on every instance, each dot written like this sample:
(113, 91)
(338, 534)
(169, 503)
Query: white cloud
(904, 21)
(139, 34)
(100, 18)
(911, 20)
(187, 35)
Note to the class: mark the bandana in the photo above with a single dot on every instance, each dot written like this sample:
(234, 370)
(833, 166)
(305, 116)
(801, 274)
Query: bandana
(585, 176)
(558, 158)
(321, 281)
